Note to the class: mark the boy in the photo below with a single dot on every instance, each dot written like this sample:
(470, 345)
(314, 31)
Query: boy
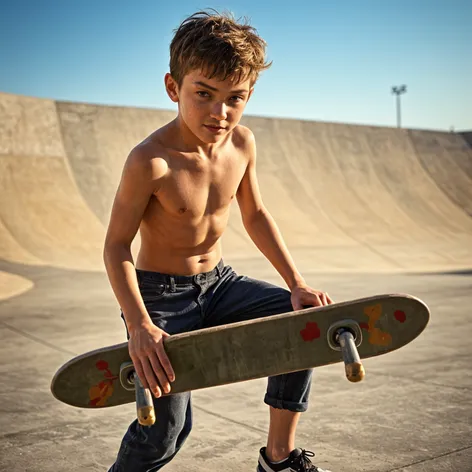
(176, 188)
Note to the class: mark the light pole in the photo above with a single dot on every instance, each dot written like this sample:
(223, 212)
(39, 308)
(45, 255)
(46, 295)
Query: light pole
(398, 91)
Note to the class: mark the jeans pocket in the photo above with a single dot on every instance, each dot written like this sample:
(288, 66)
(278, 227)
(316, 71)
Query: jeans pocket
(151, 292)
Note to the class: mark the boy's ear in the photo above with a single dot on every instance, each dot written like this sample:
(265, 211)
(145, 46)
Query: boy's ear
(171, 87)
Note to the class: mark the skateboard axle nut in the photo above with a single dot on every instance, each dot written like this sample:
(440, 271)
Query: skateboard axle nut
(338, 328)
(340, 331)
(130, 378)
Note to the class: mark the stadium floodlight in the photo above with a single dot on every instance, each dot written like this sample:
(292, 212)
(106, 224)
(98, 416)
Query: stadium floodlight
(398, 90)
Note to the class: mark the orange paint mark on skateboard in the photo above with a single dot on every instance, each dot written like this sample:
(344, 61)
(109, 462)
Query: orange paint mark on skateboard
(100, 393)
(376, 335)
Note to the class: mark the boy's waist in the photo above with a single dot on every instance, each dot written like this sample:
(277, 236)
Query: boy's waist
(159, 277)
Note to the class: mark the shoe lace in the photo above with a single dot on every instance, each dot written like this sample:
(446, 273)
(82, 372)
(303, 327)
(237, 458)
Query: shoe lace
(303, 462)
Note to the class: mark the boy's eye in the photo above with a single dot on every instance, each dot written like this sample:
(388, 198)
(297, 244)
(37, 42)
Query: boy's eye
(233, 99)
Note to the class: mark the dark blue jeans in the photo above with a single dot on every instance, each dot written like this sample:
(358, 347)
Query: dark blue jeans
(179, 304)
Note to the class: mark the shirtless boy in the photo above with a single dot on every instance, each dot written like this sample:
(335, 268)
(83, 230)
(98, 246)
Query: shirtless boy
(176, 188)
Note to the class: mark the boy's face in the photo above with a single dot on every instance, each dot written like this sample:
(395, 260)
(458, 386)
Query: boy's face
(210, 108)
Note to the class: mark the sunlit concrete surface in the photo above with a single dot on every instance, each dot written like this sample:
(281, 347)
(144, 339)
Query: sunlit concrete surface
(12, 285)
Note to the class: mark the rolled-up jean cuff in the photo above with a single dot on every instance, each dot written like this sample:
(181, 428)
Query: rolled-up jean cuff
(286, 405)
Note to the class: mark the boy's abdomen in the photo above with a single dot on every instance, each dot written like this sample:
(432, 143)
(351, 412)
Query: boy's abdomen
(178, 260)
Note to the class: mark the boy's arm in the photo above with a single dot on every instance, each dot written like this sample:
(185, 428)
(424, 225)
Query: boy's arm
(140, 179)
(131, 199)
(265, 234)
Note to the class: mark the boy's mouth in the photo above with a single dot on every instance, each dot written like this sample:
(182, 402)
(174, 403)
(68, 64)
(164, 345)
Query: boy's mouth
(214, 129)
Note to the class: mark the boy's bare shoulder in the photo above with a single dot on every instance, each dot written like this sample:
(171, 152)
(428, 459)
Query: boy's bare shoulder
(243, 138)
(145, 167)
(149, 158)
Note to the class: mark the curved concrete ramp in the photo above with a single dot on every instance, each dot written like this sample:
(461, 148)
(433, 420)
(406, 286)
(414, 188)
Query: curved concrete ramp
(375, 202)
(347, 198)
(446, 157)
(13, 285)
(43, 217)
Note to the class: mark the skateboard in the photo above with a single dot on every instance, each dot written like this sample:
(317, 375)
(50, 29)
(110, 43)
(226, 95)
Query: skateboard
(289, 342)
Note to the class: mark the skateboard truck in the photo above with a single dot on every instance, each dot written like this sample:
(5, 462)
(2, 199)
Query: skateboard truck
(144, 404)
(345, 336)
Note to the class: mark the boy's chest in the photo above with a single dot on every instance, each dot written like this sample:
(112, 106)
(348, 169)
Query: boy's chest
(203, 188)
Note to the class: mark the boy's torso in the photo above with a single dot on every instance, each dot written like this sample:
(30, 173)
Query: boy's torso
(185, 218)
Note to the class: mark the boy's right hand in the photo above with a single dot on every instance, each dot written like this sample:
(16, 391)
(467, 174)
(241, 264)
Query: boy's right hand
(146, 349)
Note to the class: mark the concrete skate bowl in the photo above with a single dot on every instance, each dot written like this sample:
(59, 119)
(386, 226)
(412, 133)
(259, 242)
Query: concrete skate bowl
(346, 198)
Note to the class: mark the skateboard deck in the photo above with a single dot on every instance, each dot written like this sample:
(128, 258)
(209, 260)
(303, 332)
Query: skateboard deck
(253, 349)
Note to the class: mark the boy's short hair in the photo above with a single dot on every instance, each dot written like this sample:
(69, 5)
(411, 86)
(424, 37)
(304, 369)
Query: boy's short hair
(219, 46)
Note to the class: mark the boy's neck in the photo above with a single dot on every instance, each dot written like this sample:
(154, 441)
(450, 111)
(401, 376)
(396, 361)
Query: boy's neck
(190, 143)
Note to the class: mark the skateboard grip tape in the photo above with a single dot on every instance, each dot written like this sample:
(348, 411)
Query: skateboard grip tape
(354, 369)
(144, 404)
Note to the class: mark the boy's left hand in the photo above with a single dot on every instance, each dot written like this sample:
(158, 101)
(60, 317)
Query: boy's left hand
(303, 296)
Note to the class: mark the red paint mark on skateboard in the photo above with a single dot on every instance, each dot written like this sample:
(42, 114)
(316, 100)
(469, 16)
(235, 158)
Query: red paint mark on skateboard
(400, 316)
(310, 332)
(102, 365)
(100, 393)
(364, 326)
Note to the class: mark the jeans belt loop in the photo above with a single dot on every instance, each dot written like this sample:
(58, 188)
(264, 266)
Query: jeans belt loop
(172, 283)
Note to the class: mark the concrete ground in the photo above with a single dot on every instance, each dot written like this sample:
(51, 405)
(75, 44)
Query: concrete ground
(412, 413)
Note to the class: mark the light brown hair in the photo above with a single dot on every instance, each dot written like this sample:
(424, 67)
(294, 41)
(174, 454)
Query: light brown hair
(218, 45)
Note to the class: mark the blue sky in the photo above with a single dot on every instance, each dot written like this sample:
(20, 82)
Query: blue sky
(334, 60)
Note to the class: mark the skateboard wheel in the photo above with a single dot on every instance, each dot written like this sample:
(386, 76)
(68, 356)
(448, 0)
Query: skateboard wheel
(127, 376)
(344, 325)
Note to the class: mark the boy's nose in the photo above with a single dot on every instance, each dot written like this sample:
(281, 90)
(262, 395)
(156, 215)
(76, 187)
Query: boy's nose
(218, 112)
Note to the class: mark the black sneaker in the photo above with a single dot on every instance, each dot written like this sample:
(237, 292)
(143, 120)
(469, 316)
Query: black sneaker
(298, 461)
